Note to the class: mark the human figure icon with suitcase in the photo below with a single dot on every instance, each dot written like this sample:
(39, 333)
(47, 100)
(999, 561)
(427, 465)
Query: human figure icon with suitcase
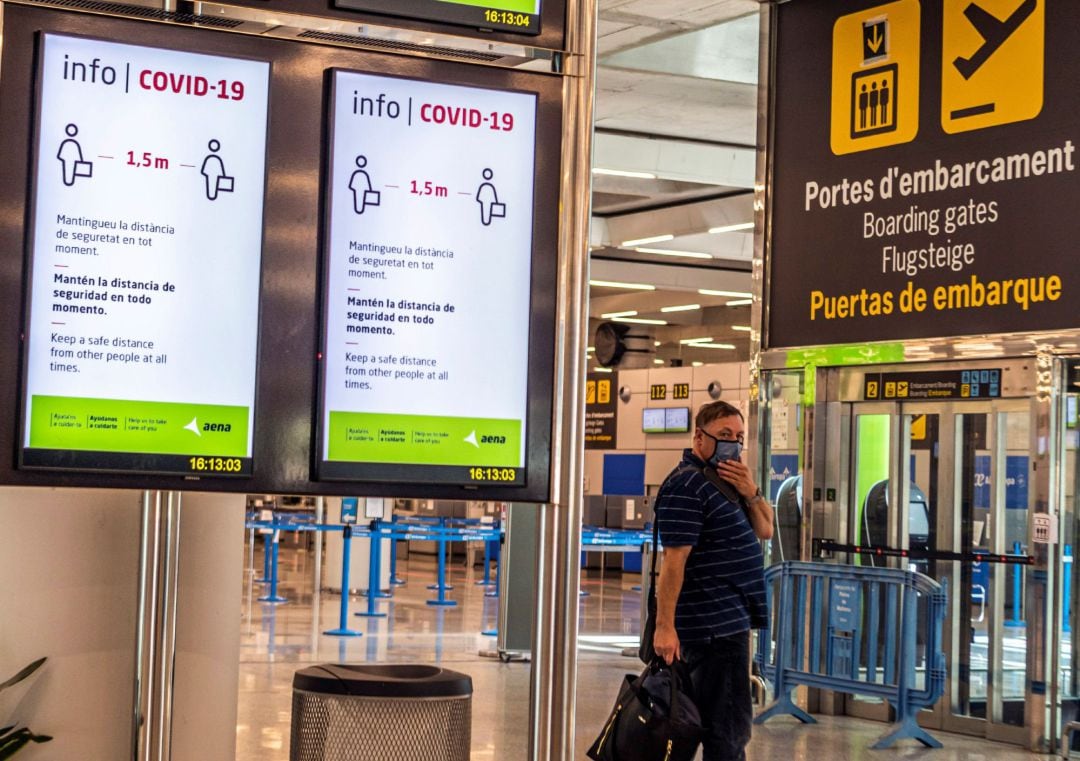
(70, 156)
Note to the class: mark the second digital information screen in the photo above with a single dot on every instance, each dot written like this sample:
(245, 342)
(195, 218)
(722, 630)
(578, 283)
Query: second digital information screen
(427, 282)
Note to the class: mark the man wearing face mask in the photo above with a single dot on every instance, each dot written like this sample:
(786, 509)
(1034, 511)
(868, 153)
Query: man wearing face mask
(711, 590)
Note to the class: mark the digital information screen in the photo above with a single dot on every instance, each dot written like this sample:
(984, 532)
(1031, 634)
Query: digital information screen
(145, 259)
(653, 420)
(507, 15)
(665, 420)
(427, 282)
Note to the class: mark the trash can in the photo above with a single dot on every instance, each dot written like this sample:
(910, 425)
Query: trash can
(387, 711)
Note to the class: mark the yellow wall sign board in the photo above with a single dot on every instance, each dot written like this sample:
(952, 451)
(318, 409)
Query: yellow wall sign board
(603, 391)
(991, 62)
(875, 77)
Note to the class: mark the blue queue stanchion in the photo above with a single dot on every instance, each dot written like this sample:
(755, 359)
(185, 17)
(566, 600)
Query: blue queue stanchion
(494, 590)
(394, 580)
(272, 596)
(487, 566)
(376, 549)
(343, 614)
(266, 560)
(1017, 609)
(374, 561)
(1067, 560)
(442, 586)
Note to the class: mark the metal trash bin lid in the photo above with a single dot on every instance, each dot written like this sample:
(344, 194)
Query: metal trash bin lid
(392, 680)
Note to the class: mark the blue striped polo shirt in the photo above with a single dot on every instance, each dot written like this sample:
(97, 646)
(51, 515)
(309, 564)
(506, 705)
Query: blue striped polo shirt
(723, 591)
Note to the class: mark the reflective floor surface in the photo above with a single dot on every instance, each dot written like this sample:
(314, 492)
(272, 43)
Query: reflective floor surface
(277, 640)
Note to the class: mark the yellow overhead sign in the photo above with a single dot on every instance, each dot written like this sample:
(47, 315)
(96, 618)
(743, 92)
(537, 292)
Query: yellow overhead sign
(875, 77)
(992, 61)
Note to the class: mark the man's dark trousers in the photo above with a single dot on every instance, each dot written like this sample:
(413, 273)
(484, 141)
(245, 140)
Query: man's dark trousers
(720, 672)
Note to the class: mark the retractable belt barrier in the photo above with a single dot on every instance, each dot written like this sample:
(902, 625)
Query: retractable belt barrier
(863, 631)
(440, 531)
(975, 556)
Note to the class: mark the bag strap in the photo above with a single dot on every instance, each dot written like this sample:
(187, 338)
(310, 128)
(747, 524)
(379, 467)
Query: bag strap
(650, 604)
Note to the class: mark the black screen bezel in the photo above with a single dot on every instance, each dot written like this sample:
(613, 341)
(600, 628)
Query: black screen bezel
(110, 461)
(286, 390)
(335, 470)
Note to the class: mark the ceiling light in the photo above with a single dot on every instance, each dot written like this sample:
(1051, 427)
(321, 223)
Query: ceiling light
(740, 303)
(639, 321)
(643, 241)
(673, 252)
(732, 228)
(713, 346)
(624, 173)
(695, 340)
(656, 343)
(682, 308)
(696, 364)
(601, 369)
(729, 294)
(610, 315)
(615, 284)
(742, 328)
(658, 361)
(590, 348)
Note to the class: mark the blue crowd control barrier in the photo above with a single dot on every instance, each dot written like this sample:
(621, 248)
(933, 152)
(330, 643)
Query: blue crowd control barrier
(865, 629)
(427, 530)
(272, 596)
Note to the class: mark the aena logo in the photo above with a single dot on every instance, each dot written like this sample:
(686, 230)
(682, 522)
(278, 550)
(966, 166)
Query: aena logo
(492, 439)
(221, 427)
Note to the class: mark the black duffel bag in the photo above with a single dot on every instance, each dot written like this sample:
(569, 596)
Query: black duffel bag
(654, 718)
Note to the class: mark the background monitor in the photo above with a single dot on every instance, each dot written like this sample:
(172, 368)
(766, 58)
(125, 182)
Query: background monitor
(665, 419)
(677, 419)
(653, 420)
(519, 16)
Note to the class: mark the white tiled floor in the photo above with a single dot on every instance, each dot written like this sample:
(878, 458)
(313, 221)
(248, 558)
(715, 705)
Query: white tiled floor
(279, 639)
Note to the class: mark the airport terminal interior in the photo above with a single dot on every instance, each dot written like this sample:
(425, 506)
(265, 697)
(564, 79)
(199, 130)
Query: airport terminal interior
(365, 333)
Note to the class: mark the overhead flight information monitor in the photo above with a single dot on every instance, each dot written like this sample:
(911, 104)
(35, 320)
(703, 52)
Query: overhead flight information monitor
(427, 282)
(506, 15)
(144, 276)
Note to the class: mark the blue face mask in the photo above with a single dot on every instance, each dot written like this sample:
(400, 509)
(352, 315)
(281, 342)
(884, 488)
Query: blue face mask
(725, 450)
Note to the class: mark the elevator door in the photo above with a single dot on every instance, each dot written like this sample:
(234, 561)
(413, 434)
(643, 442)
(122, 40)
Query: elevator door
(952, 476)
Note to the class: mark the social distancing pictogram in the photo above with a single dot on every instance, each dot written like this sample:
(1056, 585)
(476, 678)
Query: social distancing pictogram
(875, 77)
(992, 62)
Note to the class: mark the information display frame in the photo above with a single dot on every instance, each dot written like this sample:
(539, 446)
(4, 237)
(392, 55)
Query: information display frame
(220, 462)
(289, 333)
(551, 35)
(471, 14)
(494, 475)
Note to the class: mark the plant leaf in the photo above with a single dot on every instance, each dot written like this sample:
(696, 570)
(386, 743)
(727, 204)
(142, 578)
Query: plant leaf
(13, 744)
(23, 674)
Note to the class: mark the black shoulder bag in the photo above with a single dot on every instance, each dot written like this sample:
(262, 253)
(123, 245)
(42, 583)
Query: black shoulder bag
(654, 718)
